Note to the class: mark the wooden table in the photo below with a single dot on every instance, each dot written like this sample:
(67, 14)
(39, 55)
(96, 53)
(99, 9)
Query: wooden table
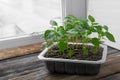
(29, 67)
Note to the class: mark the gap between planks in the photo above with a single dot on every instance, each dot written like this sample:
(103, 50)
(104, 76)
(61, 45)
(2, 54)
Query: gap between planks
(110, 67)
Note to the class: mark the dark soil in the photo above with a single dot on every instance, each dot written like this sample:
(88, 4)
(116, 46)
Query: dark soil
(78, 53)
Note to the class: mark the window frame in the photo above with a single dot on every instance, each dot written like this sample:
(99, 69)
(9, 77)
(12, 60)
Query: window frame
(67, 7)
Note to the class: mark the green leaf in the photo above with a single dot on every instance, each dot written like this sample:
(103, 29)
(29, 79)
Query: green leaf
(62, 45)
(95, 23)
(50, 37)
(70, 18)
(88, 32)
(53, 23)
(70, 53)
(95, 49)
(76, 29)
(85, 50)
(69, 27)
(67, 19)
(83, 21)
(95, 41)
(110, 36)
(61, 31)
(47, 33)
(77, 22)
(92, 29)
(99, 28)
(56, 34)
(91, 18)
(74, 35)
(105, 27)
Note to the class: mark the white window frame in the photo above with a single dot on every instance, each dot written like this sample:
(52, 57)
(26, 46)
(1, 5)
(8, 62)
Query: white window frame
(68, 7)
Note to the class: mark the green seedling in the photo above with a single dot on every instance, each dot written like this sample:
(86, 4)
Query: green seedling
(79, 31)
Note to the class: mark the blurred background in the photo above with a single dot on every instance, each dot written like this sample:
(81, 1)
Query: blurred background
(19, 17)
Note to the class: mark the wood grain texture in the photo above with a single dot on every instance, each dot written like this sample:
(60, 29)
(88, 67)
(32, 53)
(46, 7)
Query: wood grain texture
(28, 67)
(19, 51)
(112, 77)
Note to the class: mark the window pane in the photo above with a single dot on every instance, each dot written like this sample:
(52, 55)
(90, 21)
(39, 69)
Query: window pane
(29, 15)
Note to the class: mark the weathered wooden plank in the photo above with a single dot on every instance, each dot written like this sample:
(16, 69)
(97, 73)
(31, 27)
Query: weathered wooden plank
(28, 67)
(19, 61)
(106, 70)
(110, 67)
(35, 75)
(18, 51)
(112, 77)
(14, 67)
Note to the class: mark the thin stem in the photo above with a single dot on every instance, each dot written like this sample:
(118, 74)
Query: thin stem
(73, 43)
(67, 41)
(76, 42)
(50, 50)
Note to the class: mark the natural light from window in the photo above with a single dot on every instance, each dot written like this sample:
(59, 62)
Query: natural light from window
(107, 12)
(18, 17)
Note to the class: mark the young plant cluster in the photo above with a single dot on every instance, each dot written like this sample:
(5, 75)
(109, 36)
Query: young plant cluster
(77, 31)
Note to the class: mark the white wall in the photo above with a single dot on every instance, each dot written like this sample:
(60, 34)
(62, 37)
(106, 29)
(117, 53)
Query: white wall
(107, 12)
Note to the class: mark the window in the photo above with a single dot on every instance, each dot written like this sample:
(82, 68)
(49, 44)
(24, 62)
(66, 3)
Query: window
(29, 15)
(24, 17)
(20, 18)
